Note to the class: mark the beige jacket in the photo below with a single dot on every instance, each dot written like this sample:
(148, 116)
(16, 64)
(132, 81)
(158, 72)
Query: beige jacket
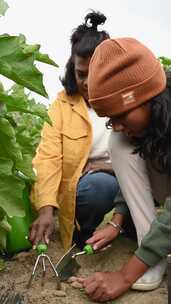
(60, 159)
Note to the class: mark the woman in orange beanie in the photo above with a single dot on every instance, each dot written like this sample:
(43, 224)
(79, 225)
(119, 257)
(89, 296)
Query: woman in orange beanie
(135, 93)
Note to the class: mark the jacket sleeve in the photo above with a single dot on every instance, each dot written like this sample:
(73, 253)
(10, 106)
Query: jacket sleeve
(157, 242)
(48, 161)
(120, 205)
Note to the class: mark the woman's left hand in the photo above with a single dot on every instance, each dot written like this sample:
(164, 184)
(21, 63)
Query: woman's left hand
(105, 286)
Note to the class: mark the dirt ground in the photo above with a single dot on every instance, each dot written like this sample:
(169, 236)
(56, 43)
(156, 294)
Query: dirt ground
(18, 270)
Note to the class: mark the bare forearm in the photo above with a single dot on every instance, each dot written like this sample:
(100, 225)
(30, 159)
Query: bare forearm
(118, 218)
(134, 269)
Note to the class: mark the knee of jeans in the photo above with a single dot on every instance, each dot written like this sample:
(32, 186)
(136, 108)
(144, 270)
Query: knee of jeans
(99, 189)
(104, 184)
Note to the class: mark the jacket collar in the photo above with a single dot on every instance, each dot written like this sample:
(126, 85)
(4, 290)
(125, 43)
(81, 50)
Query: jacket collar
(74, 99)
(78, 103)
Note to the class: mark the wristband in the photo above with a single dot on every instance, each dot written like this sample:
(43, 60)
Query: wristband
(116, 226)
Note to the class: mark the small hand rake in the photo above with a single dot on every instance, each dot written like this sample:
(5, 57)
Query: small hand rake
(42, 258)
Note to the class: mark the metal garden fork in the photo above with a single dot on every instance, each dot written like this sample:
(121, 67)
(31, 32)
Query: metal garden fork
(42, 256)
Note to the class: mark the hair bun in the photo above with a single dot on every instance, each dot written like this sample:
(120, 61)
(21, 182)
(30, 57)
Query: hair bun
(95, 19)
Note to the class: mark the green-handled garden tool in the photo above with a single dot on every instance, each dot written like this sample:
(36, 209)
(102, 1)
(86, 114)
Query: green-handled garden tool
(68, 266)
(42, 257)
(88, 249)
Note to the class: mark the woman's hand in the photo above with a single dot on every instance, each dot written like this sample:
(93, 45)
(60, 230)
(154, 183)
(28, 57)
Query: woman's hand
(42, 227)
(106, 235)
(98, 165)
(103, 237)
(105, 286)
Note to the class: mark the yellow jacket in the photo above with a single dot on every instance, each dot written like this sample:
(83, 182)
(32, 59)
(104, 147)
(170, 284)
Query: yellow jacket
(60, 159)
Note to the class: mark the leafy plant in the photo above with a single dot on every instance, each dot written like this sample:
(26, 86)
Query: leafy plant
(166, 62)
(21, 120)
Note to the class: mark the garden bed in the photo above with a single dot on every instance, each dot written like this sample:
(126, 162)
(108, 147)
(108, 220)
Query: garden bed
(18, 270)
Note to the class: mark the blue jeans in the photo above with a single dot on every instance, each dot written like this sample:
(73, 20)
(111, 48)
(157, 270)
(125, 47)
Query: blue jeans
(95, 197)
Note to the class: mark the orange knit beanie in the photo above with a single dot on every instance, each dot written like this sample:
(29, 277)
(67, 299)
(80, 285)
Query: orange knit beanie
(123, 74)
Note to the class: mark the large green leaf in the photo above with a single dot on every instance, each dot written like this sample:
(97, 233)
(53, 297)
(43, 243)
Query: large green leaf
(11, 195)
(19, 66)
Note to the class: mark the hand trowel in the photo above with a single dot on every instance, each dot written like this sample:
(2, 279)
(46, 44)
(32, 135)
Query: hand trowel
(68, 266)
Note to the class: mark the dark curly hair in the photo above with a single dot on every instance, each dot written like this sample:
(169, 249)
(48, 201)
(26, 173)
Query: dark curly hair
(84, 40)
(156, 143)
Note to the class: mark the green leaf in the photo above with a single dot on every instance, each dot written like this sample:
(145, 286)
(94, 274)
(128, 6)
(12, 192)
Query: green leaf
(45, 58)
(11, 195)
(18, 66)
(166, 62)
(8, 146)
(29, 49)
(9, 149)
(14, 103)
(3, 109)
(3, 7)
(6, 166)
(39, 110)
(19, 101)
(6, 128)
(25, 166)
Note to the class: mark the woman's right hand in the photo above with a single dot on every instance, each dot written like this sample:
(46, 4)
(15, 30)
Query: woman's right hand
(42, 228)
(102, 237)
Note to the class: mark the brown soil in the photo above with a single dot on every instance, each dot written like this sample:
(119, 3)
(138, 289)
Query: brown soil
(18, 270)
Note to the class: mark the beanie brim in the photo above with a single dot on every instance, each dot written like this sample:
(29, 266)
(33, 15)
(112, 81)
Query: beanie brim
(131, 97)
